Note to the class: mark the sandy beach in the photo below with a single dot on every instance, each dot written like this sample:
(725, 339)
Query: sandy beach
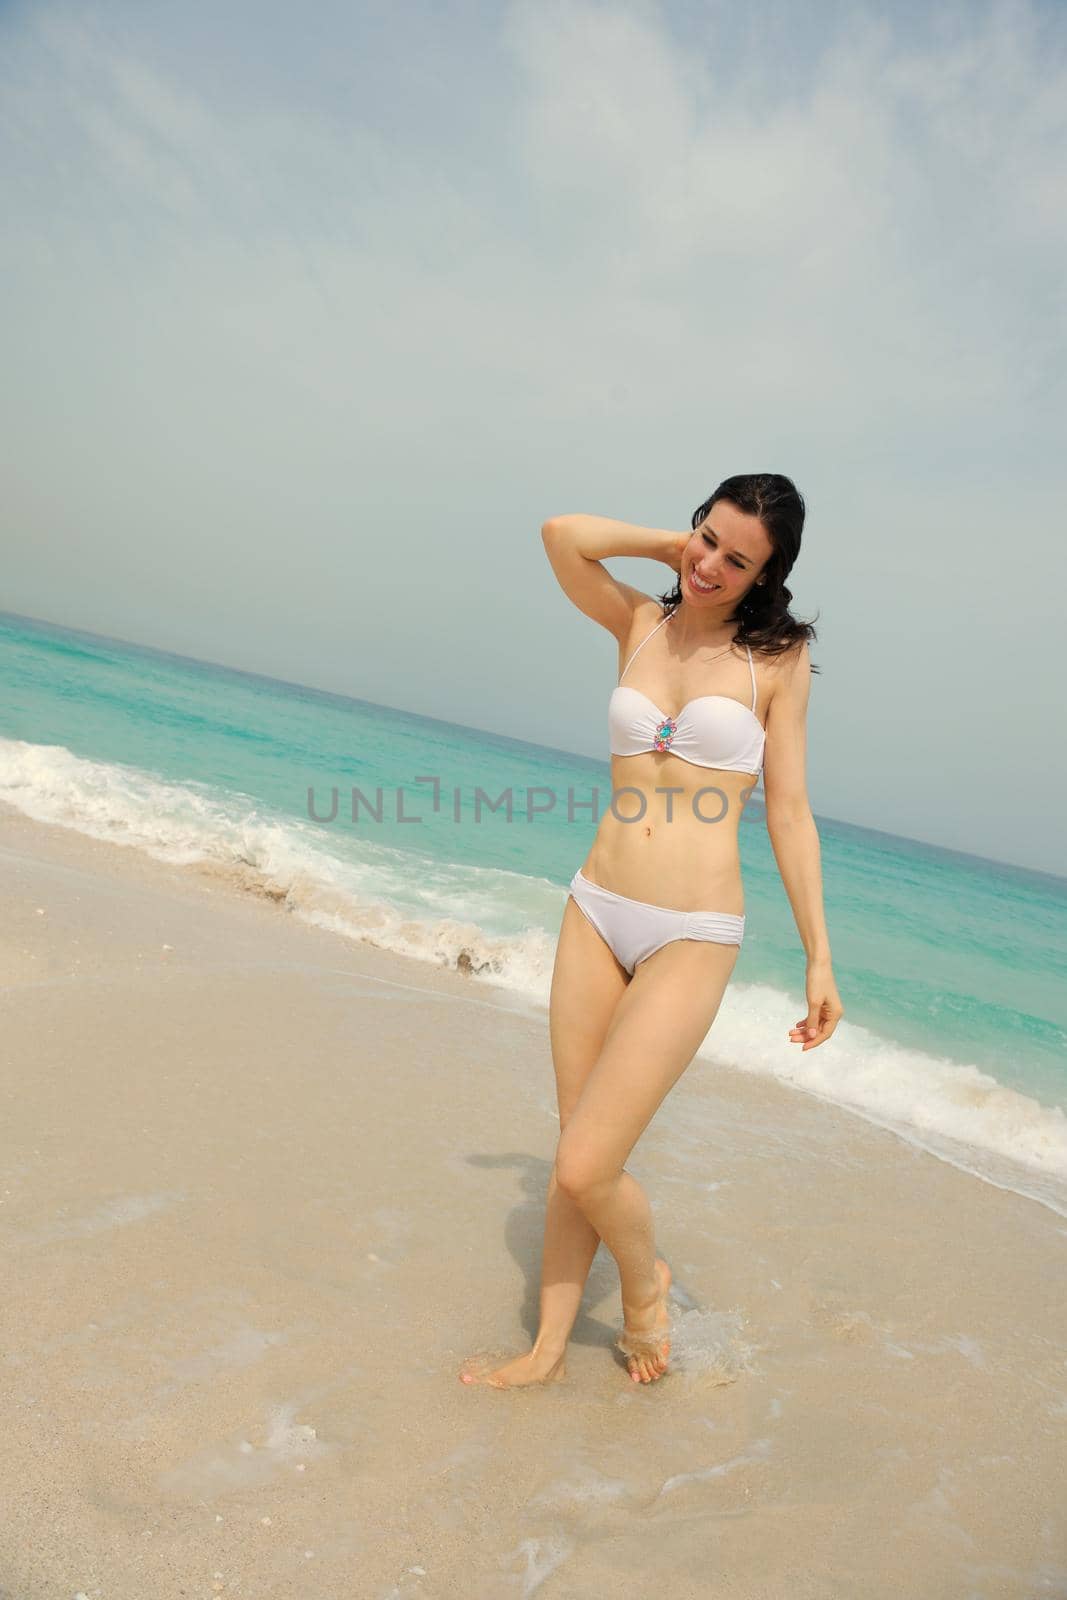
(263, 1190)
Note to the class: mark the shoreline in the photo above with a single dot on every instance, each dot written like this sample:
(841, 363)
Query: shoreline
(265, 1190)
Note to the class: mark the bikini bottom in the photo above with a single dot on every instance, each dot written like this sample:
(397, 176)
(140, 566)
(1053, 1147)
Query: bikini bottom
(635, 930)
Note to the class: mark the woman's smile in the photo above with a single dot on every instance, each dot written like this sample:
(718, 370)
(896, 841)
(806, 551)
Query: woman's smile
(699, 585)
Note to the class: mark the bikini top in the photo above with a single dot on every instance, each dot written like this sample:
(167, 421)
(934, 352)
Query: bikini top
(714, 730)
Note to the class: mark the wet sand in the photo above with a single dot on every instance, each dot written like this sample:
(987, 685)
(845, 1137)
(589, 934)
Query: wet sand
(263, 1190)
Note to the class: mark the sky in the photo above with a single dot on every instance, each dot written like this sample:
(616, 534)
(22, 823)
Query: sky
(311, 317)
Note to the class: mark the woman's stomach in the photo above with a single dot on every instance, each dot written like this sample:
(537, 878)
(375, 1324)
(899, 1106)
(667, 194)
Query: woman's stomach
(669, 835)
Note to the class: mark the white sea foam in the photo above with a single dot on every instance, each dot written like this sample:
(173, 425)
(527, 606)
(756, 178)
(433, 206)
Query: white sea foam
(949, 1108)
(437, 912)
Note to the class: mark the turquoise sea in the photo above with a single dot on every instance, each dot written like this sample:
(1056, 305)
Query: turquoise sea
(393, 827)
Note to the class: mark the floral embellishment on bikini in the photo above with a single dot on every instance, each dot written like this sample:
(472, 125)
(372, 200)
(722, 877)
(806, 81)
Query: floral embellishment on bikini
(665, 732)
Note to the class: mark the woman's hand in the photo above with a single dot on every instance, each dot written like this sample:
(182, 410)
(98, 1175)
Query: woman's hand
(824, 1008)
(672, 554)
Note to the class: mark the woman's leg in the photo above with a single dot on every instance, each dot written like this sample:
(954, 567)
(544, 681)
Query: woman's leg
(658, 1025)
(587, 985)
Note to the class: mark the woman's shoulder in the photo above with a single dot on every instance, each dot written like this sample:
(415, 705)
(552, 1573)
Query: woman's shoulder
(646, 615)
(780, 668)
(647, 612)
(785, 658)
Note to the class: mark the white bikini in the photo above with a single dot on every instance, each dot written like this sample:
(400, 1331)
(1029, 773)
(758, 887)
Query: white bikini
(714, 731)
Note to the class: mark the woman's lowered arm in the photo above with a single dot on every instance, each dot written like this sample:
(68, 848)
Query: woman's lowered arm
(795, 842)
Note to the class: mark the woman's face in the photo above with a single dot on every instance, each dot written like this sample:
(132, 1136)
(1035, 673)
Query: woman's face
(723, 559)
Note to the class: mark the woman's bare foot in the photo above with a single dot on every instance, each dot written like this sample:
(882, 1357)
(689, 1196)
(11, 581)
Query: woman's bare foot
(534, 1367)
(646, 1355)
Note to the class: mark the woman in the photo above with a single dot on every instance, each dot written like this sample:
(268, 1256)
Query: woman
(654, 919)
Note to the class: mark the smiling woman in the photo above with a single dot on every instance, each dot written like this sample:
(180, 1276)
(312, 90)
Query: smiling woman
(654, 920)
(722, 560)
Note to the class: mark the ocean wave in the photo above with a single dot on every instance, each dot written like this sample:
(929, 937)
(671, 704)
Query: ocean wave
(392, 899)
(383, 896)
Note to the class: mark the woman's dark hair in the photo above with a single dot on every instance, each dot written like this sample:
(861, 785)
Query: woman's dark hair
(764, 619)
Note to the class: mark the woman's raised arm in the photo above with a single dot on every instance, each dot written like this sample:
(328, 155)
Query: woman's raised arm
(576, 545)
